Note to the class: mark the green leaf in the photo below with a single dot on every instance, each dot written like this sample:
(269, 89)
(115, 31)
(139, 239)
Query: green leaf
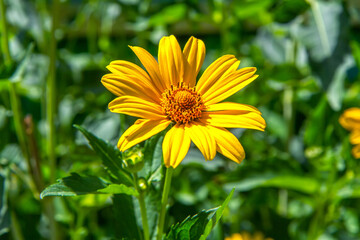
(171, 14)
(291, 182)
(152, 158)
(110, 156)
(119, 188)
(74, 185)
(200, 225)
(124, 217)
(211, 224)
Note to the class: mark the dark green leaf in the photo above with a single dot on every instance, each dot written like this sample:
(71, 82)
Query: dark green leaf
(200, 225)
(124, 217)
(110, 156)
(74, 185)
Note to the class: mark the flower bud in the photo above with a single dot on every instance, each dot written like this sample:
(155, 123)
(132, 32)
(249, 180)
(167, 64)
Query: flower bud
(133, 159)
(142, 184)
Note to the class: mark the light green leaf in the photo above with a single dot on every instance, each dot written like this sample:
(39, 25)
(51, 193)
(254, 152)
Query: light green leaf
(168, 15)
(291, 182)
(119, 188)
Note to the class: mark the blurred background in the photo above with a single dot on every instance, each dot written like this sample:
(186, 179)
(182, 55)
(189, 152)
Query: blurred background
(299, 179)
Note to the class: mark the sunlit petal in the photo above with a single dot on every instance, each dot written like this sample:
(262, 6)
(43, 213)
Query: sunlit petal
(350, 119)
(217, 71)
(229, 85)
(194, 53)
(141, 130)
(232, 107)
(171, 61)
(151, 66)
(136, 107)
(202, 138)
(121, 85)
(175, 146)
(227, 144)
(234, 119)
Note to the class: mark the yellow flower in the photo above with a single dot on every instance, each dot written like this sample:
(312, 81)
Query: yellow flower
(247, 236)
(350, 120)
(167, 94)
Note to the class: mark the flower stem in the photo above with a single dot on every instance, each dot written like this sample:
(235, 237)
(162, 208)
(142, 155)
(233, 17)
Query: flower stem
(4, 39)
(50, 94)
(142, 209)
(164, 200)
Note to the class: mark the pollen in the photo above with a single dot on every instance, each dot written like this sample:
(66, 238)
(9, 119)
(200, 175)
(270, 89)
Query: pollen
(182, 104)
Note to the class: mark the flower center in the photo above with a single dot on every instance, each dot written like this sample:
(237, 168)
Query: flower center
(182, 104)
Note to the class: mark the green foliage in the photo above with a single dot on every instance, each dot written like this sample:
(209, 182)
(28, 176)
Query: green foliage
(124, 221)
(74, 185)
(110, 156)
(199, 225)
(298, 180)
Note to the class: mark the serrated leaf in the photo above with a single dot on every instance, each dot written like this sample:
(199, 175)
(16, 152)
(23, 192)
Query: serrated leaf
(74, 185)
(192, 227)
(200, 225)
(118, 189)
(110, 156)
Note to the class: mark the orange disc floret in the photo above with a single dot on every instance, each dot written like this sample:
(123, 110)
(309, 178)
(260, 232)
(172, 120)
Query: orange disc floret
(182, 104)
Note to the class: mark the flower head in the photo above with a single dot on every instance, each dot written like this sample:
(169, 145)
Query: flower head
(247, 236)
(167, 94)
(350, 120)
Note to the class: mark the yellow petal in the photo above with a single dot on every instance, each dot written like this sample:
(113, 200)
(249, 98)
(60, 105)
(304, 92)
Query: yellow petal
(123, 85)
(141, 130)
(218, 70)
(350, 119)
(234, 119)
(229, 85)
(194, 53)
(232, 107)
(227, 144)
(356, 151)
(175, 146)
(171, 61)
(136, 107)
(151, 66)
(202, 138)
(355, 136)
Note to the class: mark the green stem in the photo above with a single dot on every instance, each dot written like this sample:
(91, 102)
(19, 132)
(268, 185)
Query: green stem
(50, 95)
(142, 209)
(50, 117)
(4, 39)
(15, 227)
(164, 200)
